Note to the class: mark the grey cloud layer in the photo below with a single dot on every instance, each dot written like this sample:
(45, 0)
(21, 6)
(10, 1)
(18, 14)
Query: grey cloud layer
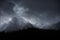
(41, 14)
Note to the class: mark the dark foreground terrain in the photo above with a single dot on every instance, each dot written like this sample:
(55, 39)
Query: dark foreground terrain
(28, 32)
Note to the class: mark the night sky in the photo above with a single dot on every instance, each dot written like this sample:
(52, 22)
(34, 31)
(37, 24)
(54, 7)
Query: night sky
(22, 14)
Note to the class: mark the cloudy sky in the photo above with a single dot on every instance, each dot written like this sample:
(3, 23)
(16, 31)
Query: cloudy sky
(16, 14)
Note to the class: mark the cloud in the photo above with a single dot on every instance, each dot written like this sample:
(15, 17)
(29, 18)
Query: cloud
(28, 12)
(38, 19)
(4, 22)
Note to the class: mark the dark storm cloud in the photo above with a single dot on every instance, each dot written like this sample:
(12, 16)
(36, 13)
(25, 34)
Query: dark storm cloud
(48, 9)
(8, 16)
(41, 4)
(6, 7)
(39, 13)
